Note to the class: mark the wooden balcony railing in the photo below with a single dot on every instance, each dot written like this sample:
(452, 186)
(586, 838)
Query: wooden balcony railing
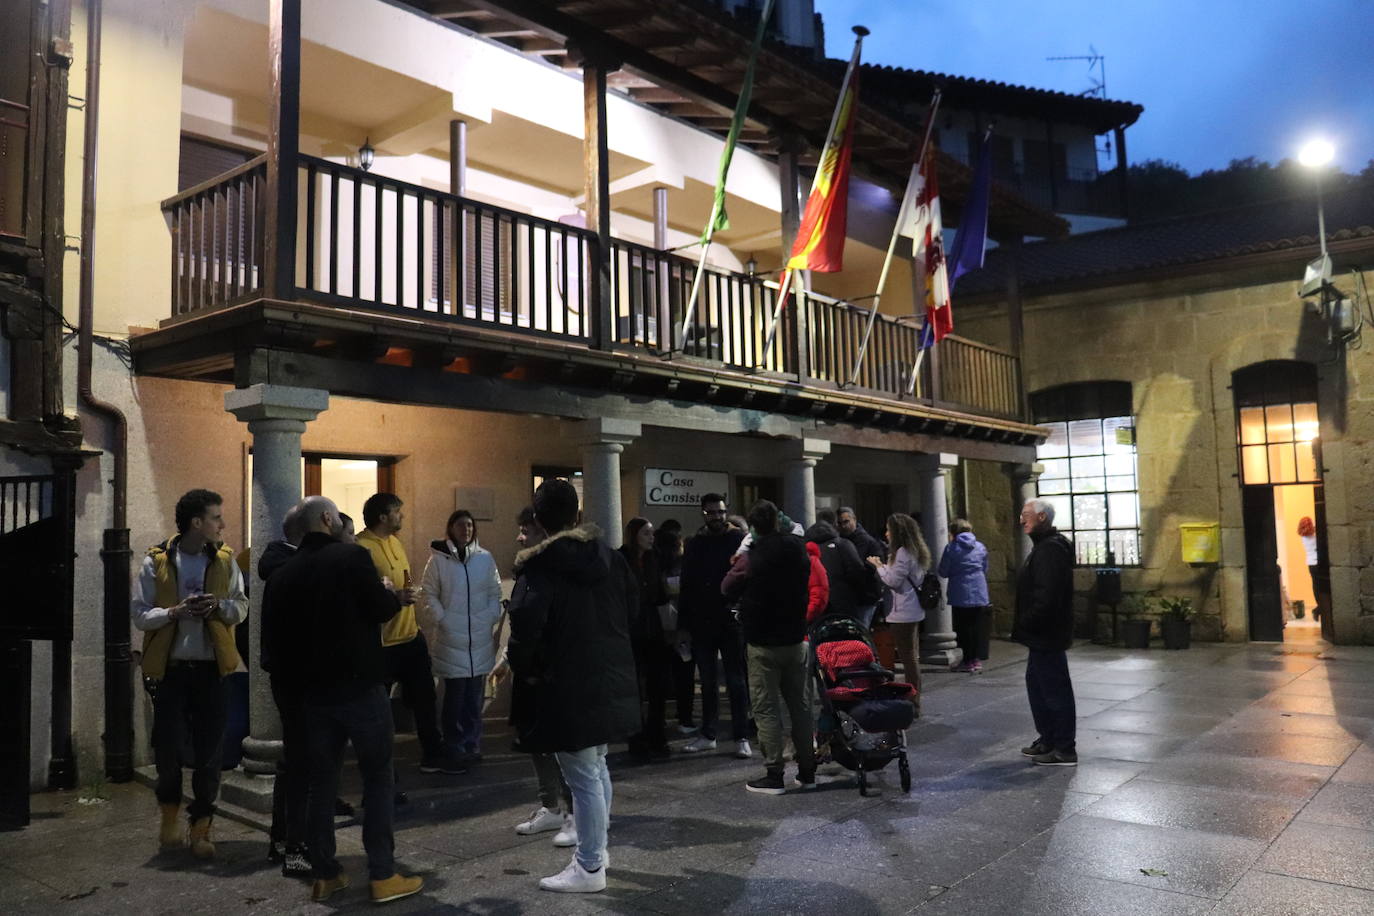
(371, 241)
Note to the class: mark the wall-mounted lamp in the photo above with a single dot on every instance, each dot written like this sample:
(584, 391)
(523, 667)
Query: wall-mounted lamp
(751, 266)
(366, 154)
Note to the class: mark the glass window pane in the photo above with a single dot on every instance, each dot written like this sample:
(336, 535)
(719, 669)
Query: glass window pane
(1057, 445)
(1254, 465)
(1109, 430)
(1251, 425)
(1085, 437)
(1121, 463)
(1278, 421)
(1305, 426)
(1090, 547)
(1283, 466)
(1125, 547)
(1055, 469)
(1124, 482)
(1122, 510)
(1089, 512)
(1054, 485)
(1307, 462)
(1063, 512)
(1088, 470)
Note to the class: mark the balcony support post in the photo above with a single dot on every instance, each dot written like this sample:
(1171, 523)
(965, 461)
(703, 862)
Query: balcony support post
(283, 146)
(457, 157)
(789, 181)
(938, 646)
(799, 479)
(596, 158)
(601, 442)
(276, 416)
(1122, 173)
(1015, 319)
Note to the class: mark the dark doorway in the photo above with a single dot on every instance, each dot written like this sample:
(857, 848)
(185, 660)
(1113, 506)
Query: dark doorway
(1282, 500)
(749, 490)
(873, 503)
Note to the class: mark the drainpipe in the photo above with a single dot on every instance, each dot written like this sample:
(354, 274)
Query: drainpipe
(115, 553)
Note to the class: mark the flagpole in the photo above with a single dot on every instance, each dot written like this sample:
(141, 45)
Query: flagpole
(727, 154)
(916, 369)
(859, 33)
(896, 232)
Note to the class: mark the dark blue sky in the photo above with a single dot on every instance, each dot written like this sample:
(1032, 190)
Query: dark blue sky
(1219, 79)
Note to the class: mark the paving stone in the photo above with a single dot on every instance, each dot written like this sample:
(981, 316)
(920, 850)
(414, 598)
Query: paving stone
(1093, 743)
(1198, 808)
(1343, 805)
(1108, 691)
(1321, 852)
(1274, 721)
(1262, 894)
(1246, 774)
(1193, 861)
(1186, 703)
(1358, 767)
(1294, 748)
(1173, 724)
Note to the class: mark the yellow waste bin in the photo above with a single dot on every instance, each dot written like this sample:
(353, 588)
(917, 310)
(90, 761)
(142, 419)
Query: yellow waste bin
(1201, 542)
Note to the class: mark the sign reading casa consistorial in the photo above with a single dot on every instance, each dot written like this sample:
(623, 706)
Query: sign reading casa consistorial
(672, 487)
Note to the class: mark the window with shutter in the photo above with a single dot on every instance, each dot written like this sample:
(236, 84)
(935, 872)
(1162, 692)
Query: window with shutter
(15, 59)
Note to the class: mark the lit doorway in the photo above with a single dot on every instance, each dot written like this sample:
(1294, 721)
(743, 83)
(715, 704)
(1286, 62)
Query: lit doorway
(348, 480)
(1282, 501)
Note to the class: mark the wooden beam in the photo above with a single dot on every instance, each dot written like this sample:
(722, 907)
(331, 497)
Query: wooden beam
(596, 160)
(283, 145)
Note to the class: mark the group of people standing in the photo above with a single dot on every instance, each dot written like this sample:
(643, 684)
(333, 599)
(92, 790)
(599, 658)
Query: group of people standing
(599, 641)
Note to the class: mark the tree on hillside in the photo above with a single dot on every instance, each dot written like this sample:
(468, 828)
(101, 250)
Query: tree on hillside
(1160, 189)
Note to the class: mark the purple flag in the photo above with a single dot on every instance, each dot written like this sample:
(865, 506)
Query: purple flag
(972, 238)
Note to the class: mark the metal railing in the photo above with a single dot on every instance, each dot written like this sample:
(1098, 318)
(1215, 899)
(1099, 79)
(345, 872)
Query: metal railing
(369, 240)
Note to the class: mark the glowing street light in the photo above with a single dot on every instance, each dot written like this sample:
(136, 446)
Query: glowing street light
(1316, 153)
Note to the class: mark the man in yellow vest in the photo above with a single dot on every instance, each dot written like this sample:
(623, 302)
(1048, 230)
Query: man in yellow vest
(404, 646)
(188, 602)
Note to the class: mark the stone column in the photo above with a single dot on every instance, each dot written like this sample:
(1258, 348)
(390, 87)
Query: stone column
(799, 479)
(276, 416)
(937, 645)
(1023, 482)
(601, 442)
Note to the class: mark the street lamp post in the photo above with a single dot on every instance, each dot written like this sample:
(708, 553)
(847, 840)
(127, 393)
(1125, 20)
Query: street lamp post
(1316, 155)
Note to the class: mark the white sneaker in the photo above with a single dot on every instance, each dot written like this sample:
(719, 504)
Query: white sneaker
(699, 744)
(575, 880)
(540, 821)
(742, 749)
(685, 730)
(567, 833)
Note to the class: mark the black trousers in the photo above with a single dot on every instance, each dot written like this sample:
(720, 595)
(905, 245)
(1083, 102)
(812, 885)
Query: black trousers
(684, 688)
(363, 716)
(723, 638)
(191, 692)
(973, 631)
(291, 791)
(1051, 697)
(654, 661)
(407, 664)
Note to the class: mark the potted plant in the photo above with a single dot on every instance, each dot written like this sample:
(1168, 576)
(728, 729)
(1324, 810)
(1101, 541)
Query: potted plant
(1135, 630)
(1176, 622)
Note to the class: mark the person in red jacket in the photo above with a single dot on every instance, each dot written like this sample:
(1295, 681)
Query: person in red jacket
(817, 587)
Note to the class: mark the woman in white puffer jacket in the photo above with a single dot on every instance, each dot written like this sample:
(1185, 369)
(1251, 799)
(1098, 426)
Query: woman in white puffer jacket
(460, 606)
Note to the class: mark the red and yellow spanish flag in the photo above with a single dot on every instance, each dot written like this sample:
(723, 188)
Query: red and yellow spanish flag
(820, 238)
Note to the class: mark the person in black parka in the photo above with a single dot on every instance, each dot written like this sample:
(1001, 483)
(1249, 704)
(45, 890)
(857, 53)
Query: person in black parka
(1044, 625)
(854, 584)
(570, 643)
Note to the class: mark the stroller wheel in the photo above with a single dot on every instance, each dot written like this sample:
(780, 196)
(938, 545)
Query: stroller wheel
(862, 775)
(904, 769)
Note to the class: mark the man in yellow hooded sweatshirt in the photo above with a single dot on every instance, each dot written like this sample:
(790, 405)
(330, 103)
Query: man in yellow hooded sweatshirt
(407, 653)
(188, 601)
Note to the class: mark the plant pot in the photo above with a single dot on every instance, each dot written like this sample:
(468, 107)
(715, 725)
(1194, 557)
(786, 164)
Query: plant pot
(1178, 634)
(1135, 634)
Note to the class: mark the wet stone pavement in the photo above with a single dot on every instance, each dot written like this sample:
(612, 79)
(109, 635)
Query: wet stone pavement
(1221, 779)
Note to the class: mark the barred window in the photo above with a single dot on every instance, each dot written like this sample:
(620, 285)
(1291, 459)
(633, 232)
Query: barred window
(1090, 469)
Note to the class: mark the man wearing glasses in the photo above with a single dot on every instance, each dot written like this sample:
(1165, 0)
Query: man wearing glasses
(715, 631)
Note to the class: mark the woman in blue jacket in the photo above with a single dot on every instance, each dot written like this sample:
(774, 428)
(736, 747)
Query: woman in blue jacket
(965, 564)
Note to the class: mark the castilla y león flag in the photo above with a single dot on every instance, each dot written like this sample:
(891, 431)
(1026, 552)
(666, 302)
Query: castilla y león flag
(820, 239)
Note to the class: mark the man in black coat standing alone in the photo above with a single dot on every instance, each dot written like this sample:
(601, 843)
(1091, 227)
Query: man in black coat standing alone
(570, 650)
(1044, 625)
(328, 608)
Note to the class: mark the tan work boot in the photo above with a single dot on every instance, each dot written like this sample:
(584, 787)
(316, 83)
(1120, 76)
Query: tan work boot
(201, 847)
(396, 887)
(169, 835)
(324, 888)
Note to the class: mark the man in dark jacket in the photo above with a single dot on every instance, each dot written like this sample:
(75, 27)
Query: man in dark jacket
(570, 643)
(771, 584)
(705, 614)
(847, 524)
(1044, 625)
(854, 584)
(329, 605)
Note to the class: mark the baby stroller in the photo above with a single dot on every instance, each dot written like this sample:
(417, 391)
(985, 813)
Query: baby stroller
(864, 711)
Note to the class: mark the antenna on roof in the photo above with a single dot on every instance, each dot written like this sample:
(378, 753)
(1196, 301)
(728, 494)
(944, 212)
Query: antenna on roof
(1096, 62)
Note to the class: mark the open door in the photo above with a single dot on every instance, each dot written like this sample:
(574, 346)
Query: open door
(1261, 565)
(1321, 575)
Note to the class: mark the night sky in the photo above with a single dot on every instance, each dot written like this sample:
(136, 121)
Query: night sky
(1219, 79)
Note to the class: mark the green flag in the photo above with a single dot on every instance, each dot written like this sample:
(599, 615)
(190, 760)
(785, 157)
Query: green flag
(720, 220)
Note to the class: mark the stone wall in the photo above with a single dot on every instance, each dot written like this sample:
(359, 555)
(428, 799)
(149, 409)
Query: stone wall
(1177, 342)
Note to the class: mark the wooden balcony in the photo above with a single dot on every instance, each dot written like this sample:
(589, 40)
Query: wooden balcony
(393, 273)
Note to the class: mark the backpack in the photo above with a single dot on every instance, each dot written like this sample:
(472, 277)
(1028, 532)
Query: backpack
(929, 592)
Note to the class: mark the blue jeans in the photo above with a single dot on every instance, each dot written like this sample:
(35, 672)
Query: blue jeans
(590, 783)
(461, 717)
(1051, 697)
(865, 615)
(334, 717)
